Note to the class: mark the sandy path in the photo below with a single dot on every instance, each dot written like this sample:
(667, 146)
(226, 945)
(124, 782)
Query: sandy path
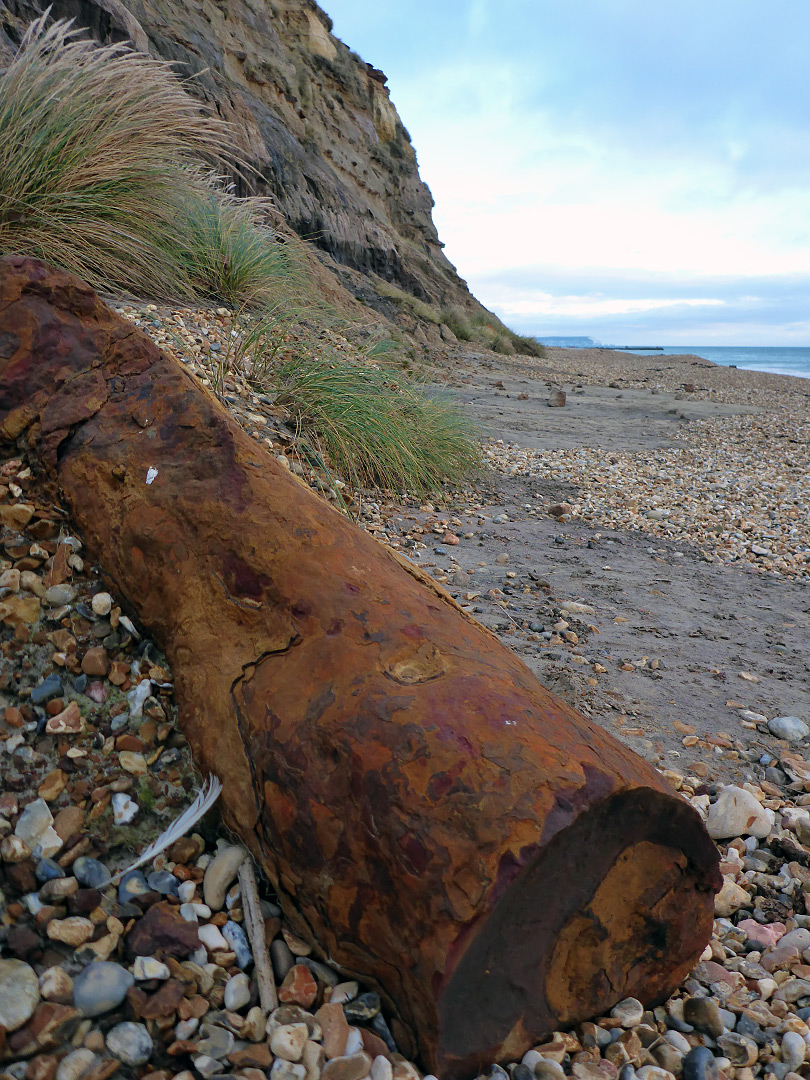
(677, 646)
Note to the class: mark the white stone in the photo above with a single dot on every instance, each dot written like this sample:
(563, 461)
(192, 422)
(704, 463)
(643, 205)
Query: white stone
(381, 1069)
(628, 1013)
(102, 603)
(187, 890)
(35, 827)
(738, 813)
(124, 808)
(731, 898)
(212, 939)
(288, 1040)
(793, 1050)
(146, 967)
(237, 994)
(19, 993)
(219, 874)
(343, 992)
(789, 728)
(75, 1065)
(354, 1042)
(186, 1028)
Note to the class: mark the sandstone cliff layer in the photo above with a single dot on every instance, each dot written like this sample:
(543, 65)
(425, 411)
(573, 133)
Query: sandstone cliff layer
(314, 120)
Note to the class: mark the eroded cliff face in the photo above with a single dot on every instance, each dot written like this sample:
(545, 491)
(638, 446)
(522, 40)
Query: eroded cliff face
(313, 118)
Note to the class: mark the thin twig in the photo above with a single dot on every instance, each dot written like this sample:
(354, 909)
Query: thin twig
(254, 922)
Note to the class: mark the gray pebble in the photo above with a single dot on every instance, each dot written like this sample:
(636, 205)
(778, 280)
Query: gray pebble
(90, 872)
(216, 1041)
(19, 993)
(699, 1064)
(163, 882)
(58, 595)
(362, 1008)
(48, 688)
(790, 728)
(130, 1043)
(237, 939)
(102, 986)
(281, 957)
(793, 1050)
(704, 1014)
(131, 885)
(48, 869)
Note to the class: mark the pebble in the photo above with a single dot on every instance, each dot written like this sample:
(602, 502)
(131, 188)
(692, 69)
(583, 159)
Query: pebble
(211, 937)
(130, 1043)
(793, 1050)
(102, 604)
(288, 1040)
(165, 883)
(146, 967)
(48, 688)
(47, 870)
(703, 1013)
(628, 1013)
(19, 993)
(101, 987)
(789, 728)
(738, 813)
(348, 1067)
(59, 595)
(90, 872)
(75, 1064)
(73, 931)
(125, 809)
(220, 873)
(237, 994)
(35, 827)
(216, 1042)
(56, 985)
(237, 939)
(132, 884)
(287, 1070)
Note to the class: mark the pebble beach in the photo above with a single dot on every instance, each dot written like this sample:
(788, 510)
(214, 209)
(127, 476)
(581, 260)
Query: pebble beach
(154, 976)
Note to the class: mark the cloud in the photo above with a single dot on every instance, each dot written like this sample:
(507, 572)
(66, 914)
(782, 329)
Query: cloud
(587, 143)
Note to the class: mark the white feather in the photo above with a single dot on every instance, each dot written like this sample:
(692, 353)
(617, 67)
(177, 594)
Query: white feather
(206, 797)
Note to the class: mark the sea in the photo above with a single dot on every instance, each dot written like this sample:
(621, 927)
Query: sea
(782, 361)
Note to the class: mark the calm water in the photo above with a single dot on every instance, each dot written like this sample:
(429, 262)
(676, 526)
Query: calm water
(784, 361)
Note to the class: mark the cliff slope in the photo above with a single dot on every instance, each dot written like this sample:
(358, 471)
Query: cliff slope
(314, 120)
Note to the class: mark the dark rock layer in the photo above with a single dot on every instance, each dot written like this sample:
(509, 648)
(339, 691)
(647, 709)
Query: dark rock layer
(313, 119)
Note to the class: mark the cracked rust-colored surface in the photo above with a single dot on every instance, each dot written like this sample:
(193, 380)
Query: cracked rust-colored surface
(432, 816)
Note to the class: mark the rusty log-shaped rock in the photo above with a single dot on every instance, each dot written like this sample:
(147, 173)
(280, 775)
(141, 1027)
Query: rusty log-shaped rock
(431, 816)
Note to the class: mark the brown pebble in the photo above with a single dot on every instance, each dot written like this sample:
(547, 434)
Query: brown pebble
(13, 717)
(41, 1067)
(192, 1008)
(299, 987)
(165, 1002)
(335, 1029)
(68, 722)
(68, 822)
(95, 661)
(349, 1067)
(257, 1056)
(52, 786)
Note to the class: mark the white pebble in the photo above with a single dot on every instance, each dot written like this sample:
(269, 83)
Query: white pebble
(146, 967)
(102, 604)
(212, 939)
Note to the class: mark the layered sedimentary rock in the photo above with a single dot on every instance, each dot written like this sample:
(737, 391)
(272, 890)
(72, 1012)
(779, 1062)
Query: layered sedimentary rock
(430, 815)
(312, 118)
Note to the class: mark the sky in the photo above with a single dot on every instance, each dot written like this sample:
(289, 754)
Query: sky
(634, 171)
